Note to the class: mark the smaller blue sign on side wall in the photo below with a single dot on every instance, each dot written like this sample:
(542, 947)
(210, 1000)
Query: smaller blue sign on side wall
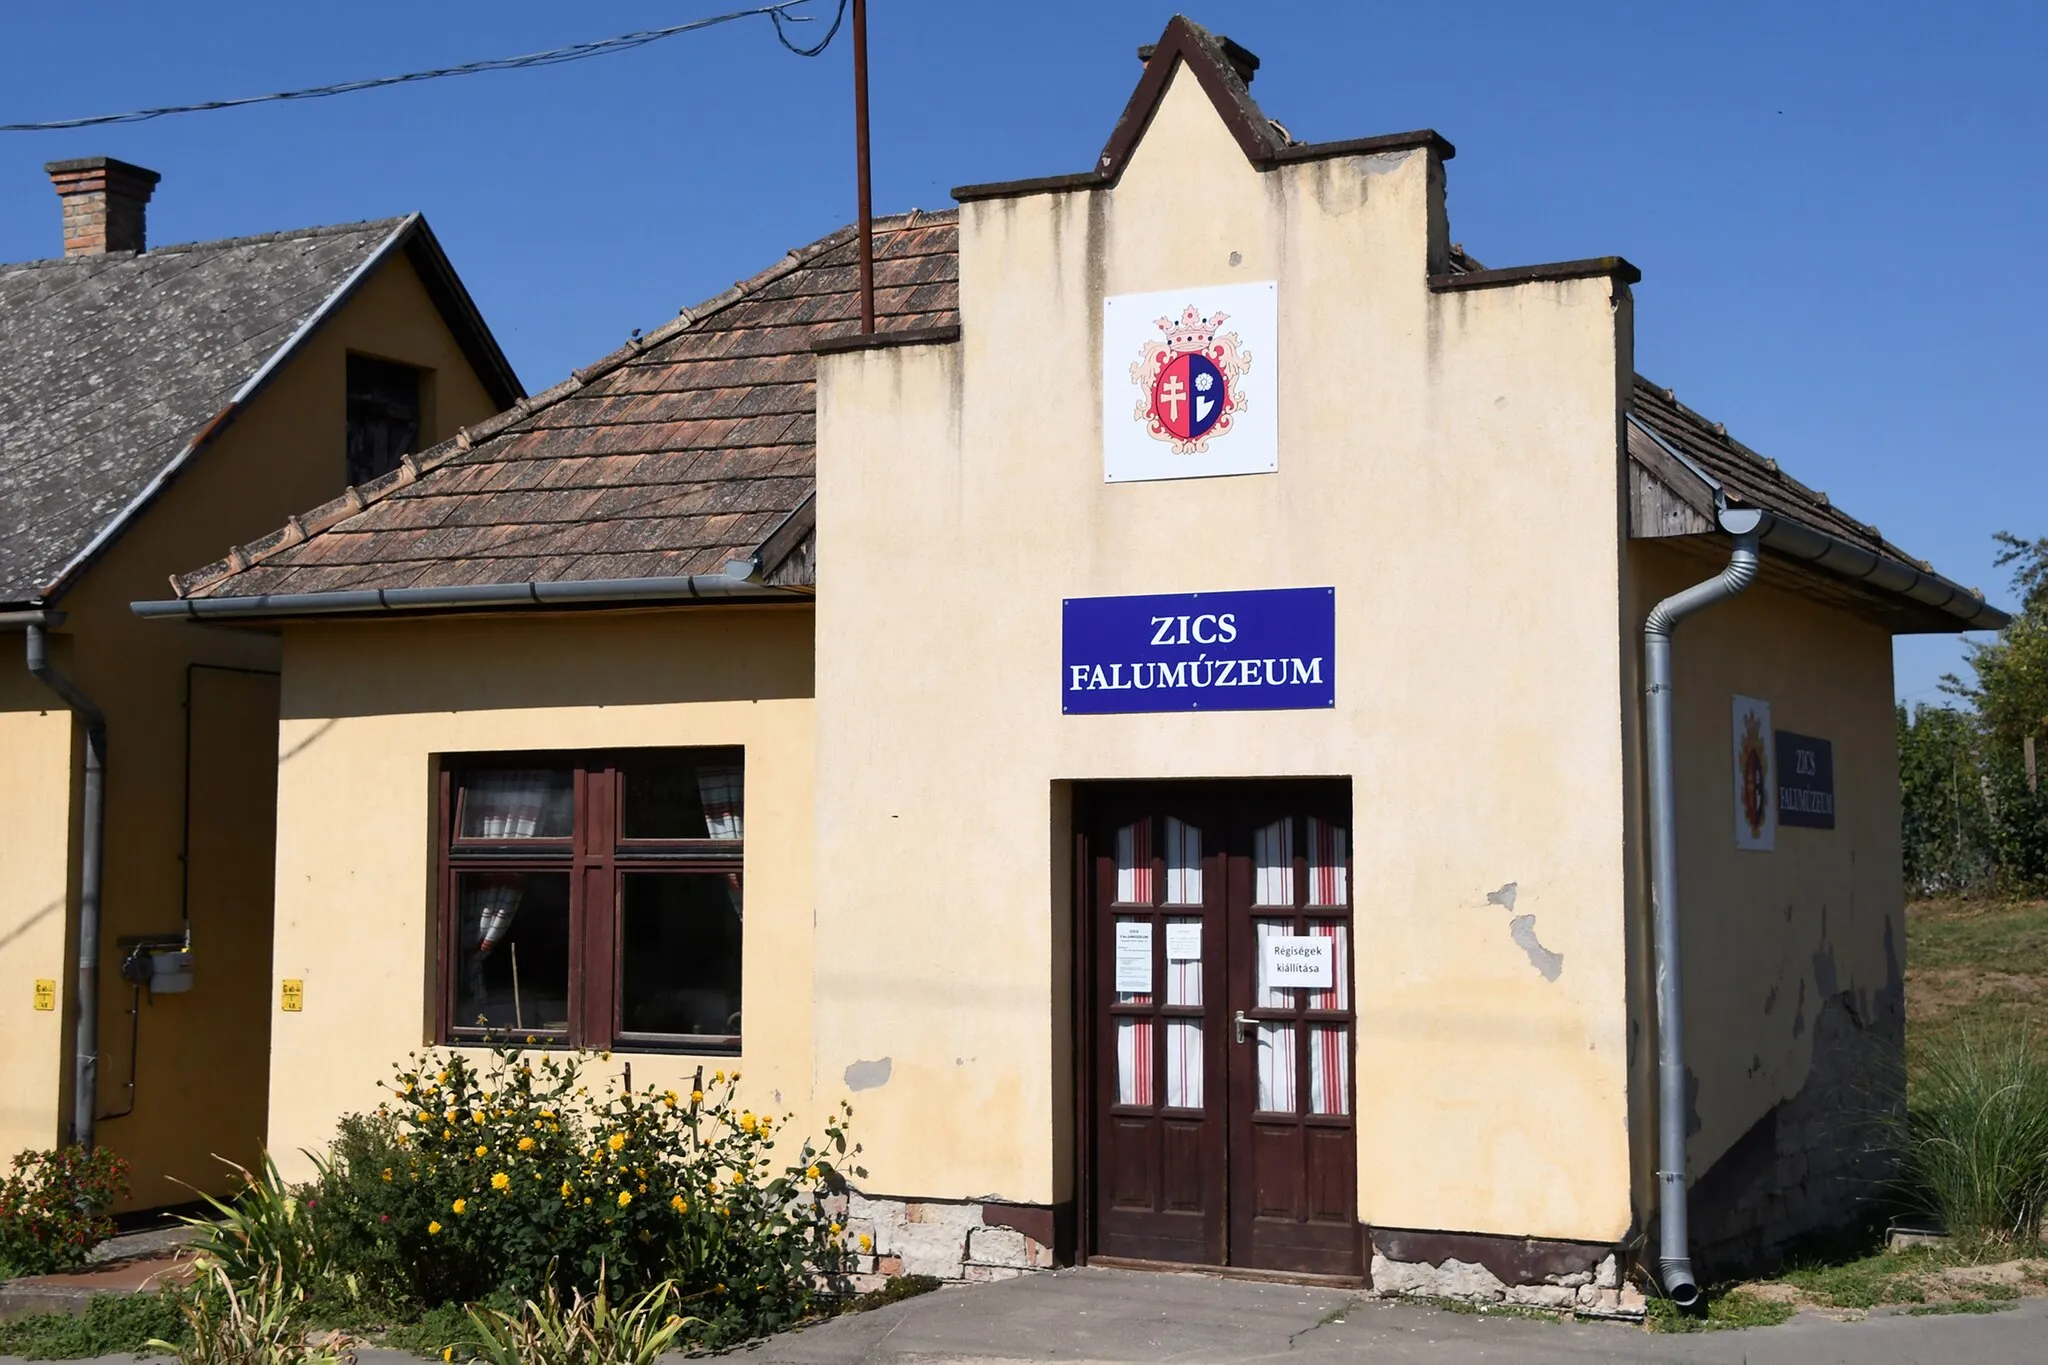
(1270, 649)
(1806, 781)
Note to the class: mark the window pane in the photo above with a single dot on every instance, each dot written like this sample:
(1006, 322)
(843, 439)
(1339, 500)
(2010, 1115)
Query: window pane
(680, 951)
(519, 803)
(684, 798)
(512, 959)
(1133, 1060)
(1273, 864)
(1329, 1071)
(1276, 1068)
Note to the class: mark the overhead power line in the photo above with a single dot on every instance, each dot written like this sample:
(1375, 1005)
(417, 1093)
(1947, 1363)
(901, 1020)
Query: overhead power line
(778, 14)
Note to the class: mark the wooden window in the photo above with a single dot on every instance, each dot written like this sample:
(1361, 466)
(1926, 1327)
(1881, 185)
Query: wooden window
(593, 900)
(384, 406)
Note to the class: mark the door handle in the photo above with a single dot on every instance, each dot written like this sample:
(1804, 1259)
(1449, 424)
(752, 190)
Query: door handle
(1241, 1024)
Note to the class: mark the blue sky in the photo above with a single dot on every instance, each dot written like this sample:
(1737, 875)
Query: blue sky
(1836, 208)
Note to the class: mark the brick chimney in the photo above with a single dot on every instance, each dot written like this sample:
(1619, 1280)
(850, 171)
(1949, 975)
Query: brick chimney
(105, 202)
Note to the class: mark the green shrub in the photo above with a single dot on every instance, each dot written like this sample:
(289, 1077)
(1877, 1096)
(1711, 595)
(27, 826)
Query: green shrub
(112, 1324)
(53, 1208)
(1977, 1140)
(500, 1182)
(266, 1231)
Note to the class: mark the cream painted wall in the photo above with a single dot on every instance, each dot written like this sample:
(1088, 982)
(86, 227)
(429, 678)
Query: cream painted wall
(1450, 463)
(36, 833)
(1760, 928)
(369, 706)
(203, 1055)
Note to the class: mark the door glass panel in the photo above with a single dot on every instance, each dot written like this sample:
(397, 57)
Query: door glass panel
(1338, 997)
(1329, 1070)
(1183, 863)
(518, 803)
(1267, 997)
(1273, 864)
(1134, 864)
(679, 953)
(1276, 1068)
(1328, 876)
(1184, 1063)
(512, 962)
(1133, 1060)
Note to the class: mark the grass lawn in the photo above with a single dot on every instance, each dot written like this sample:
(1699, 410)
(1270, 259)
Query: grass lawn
(1973, 964)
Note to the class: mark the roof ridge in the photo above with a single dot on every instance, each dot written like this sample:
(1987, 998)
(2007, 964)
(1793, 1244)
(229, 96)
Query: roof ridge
(359, 498)
(218, 243)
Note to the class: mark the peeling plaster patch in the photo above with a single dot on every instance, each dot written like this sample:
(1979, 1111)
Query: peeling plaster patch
(1504, 898)
(1522, 929)
(867, 1075)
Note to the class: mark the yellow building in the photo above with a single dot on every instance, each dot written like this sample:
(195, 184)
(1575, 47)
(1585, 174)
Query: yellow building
(1174, 700)
(156, 405)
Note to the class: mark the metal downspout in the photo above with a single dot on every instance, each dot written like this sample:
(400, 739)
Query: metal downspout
(85, 1059)
(1674, 1258)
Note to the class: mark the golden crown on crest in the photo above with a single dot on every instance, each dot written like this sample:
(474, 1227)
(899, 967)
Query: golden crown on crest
(1191, 331)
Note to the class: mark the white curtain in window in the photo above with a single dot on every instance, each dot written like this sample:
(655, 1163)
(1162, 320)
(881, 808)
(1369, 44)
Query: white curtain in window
(516, 803)
(1273, 864)
(719, 789)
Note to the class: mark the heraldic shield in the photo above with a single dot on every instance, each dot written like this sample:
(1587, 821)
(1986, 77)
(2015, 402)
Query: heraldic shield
(1189, 395)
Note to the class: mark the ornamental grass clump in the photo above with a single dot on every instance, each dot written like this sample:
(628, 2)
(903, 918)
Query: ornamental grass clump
(1977, 1136)
(503, 1181)
(53, 1208)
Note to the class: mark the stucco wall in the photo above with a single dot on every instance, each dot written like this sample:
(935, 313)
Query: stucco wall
(1770, 939)
(203, 1055)
(1449, 463)
(36, 830)
(369, 706)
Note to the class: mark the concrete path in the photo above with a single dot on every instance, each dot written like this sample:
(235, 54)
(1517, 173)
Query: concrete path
(1107, 1317)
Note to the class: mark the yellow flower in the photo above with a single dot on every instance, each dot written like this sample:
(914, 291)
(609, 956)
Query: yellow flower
(616, 1141)
(477, 1118)
(748, 1121)
(526, 1144)
(836, 1229)
(867, 1243)
(482, 1151)
(460, 1206)
(448, 1353)
(433, 1229)
(441, 1077)
(735, 1078)
(766, 1124)
(624, 1198)
(679, 1204)
(567, 1189)
(501, 1181)
(718, 1077)
(447, 1133)
(696, 1097)
(586, 1200)
(810, 1172)
(668, 1097)
(387, 1175)
(420, 1117)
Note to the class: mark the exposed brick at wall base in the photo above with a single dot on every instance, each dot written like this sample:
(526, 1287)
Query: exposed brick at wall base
(1576, 1276)
(1818, 1160)
(972, 1240)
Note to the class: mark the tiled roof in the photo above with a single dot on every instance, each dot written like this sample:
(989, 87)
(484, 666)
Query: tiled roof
(111, 365)
(674, 455)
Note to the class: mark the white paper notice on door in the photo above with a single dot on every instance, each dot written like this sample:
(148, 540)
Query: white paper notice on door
(1184, 942)
(1134, 959)
(1304, 962)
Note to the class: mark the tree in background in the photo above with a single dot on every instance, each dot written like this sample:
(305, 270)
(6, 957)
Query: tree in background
(1976, 816)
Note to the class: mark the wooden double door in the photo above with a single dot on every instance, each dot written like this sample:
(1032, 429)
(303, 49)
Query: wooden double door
(1220, 1108)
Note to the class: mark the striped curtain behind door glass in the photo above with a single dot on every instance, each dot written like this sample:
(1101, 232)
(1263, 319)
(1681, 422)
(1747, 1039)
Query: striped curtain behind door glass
(1329, 1070)
(1183, 1036)
(1134, 1052)
(1273, 864)
(1328, 881)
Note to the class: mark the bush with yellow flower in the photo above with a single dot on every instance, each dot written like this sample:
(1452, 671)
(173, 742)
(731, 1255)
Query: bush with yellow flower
(494, 1179)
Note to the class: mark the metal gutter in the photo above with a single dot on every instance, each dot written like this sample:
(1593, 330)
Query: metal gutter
(1846, 559)
(164, 477)
(1674, 1257)
(728, 585)
(91, 858)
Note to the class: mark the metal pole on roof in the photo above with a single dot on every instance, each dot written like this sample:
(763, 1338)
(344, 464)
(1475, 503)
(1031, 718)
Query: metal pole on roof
(860, 136)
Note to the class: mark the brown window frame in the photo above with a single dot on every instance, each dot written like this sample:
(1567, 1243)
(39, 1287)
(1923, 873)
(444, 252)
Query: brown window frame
(597, 858)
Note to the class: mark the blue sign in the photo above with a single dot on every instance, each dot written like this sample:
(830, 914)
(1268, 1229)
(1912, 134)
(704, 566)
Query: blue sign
(1272, 650)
